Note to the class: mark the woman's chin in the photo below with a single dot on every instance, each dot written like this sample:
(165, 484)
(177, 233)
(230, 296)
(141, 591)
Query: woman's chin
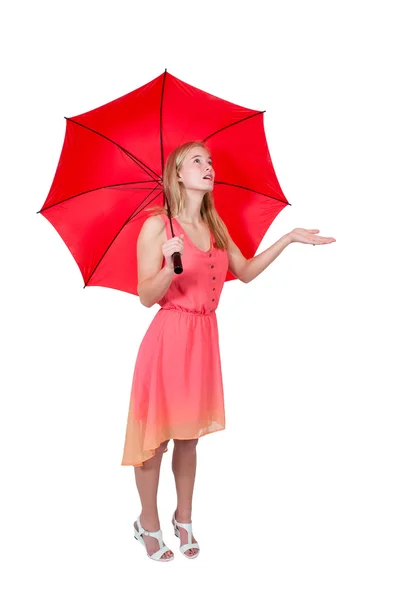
(207, 187)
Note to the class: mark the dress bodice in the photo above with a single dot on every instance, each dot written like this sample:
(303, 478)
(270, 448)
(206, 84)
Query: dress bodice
(198, 288)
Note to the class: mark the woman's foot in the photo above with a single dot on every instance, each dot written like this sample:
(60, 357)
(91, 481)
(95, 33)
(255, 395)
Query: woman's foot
(184, 535)
(151, 543)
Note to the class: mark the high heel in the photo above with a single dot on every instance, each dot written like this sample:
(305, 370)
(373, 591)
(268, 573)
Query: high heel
(189, 544)
(156, 534)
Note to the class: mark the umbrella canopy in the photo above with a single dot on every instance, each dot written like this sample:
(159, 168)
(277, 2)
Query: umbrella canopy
(111, 169)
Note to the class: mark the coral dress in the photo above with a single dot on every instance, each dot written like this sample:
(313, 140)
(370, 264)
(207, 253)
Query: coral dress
(177, 389)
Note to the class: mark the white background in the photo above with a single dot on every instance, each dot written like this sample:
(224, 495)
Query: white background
(297, 497)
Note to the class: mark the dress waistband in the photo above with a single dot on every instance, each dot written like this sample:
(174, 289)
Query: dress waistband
(189, 312)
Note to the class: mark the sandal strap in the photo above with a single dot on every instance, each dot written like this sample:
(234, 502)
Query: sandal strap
(155, 534)
(188, 527)
(156, 555)
(186, 547)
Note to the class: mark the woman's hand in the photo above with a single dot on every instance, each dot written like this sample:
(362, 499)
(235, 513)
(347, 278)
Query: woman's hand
(307, 236)
(175, 244)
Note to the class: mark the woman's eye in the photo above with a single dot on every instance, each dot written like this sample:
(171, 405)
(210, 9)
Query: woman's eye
(196, 159)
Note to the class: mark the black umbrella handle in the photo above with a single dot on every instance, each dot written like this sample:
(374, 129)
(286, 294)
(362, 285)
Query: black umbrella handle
(176, 256)
(177, 263)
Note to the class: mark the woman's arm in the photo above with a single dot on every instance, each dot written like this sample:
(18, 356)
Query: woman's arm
(257, 264)
(247, 269)
(153, 281)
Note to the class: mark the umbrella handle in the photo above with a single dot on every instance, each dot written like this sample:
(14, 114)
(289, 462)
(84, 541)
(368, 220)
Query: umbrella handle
(177, 263)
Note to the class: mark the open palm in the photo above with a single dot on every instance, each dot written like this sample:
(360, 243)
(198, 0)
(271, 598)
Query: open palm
(308, 236)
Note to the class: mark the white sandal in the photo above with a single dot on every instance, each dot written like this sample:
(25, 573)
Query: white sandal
(156, 534)
(190, 544)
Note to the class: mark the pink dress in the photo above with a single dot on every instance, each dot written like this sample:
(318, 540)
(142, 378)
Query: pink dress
(177, 389)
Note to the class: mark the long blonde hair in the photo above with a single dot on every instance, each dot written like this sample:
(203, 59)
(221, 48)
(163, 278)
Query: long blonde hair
(174, 191)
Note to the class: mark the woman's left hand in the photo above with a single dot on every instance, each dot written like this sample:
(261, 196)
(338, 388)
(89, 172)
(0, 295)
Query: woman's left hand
(307, 236)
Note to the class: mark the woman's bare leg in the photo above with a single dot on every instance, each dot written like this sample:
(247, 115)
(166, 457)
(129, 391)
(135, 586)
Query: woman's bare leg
(184, 469)
(147, 480)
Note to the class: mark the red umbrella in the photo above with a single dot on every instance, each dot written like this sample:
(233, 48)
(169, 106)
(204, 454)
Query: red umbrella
(111, 168)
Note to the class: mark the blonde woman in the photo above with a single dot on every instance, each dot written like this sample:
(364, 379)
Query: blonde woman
(177, 390)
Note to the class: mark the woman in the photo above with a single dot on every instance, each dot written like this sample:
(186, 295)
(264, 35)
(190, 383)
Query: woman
(177, 390)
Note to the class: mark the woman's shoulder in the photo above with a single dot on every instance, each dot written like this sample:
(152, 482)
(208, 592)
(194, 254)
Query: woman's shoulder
(153, 228)
(155, 222)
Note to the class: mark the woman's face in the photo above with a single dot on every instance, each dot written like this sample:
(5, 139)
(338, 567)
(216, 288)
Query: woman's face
(196, 171)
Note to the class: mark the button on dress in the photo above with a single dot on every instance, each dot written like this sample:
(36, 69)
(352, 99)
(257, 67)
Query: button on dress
(177, 388)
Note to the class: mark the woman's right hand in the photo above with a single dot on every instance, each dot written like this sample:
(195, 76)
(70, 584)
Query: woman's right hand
(175, 244)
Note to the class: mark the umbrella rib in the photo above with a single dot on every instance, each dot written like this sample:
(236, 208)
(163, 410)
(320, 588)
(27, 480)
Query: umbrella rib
(161, 121)
(103, 187)
(133, 214)
(138, 162)
(242, 187)
(232, 124)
